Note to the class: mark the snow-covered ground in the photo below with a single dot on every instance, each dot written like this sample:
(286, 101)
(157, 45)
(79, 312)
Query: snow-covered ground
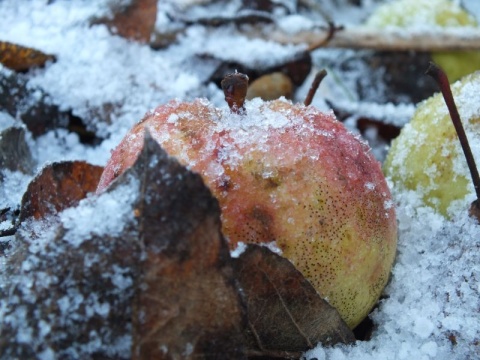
(431, 307)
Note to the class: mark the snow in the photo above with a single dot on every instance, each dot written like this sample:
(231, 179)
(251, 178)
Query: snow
(6, 120)
(82, 220)
(431, 307)
(433, 297)
(13, 187)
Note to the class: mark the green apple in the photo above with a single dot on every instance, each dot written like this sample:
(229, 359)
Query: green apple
(427, 157)
(431, 13)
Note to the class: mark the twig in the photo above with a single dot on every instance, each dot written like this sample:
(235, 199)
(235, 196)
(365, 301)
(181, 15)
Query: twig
(453, 39)
(314, 87)
(441, 78)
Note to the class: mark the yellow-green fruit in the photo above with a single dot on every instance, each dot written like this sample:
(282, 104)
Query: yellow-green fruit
(427, 156)
(431, 13)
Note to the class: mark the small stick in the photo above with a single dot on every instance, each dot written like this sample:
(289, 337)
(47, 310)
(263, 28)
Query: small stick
(365, 38)
(442, 80)
(314, 87)
(235, 89)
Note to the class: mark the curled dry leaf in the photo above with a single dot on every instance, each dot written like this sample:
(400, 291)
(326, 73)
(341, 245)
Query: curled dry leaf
(186, 303)
(59, 186)
(134, 21)
(21, 58)
(286, 315)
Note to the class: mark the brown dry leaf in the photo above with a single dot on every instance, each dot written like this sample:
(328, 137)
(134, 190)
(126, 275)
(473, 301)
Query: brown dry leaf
(59, 186)
(29, 104)
(36, 109)
(285, 313)
(186, 304)
(135, 21)
(21, 58)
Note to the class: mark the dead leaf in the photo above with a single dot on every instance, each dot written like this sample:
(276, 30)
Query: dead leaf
(21, 58)
(59, 186)
(73, 283)
(36, 109)
(134, 21)
(74, 299)
(31, 106)
(187, 304)
(286, 315)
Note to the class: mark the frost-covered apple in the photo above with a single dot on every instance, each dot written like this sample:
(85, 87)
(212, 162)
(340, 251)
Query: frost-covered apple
(289, 175)
(431, 14)
(427, 157)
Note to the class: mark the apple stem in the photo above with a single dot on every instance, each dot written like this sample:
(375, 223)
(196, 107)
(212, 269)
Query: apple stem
(235, 89)
(442, 80)
(314, 87)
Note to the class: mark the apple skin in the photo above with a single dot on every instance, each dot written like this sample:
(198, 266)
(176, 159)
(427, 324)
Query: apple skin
(427, 156)
(443, 13)
(287, 174)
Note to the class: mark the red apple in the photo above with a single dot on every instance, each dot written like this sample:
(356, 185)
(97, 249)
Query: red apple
(287, 174)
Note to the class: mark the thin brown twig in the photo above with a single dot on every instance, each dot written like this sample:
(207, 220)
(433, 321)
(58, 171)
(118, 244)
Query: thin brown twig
(442, 80)
(314, 87)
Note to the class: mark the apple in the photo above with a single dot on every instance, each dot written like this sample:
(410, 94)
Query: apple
(285, 174)
(443, 13)
(427, 157)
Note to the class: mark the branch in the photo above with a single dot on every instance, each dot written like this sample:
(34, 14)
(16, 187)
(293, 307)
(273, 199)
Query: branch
(452, 39)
